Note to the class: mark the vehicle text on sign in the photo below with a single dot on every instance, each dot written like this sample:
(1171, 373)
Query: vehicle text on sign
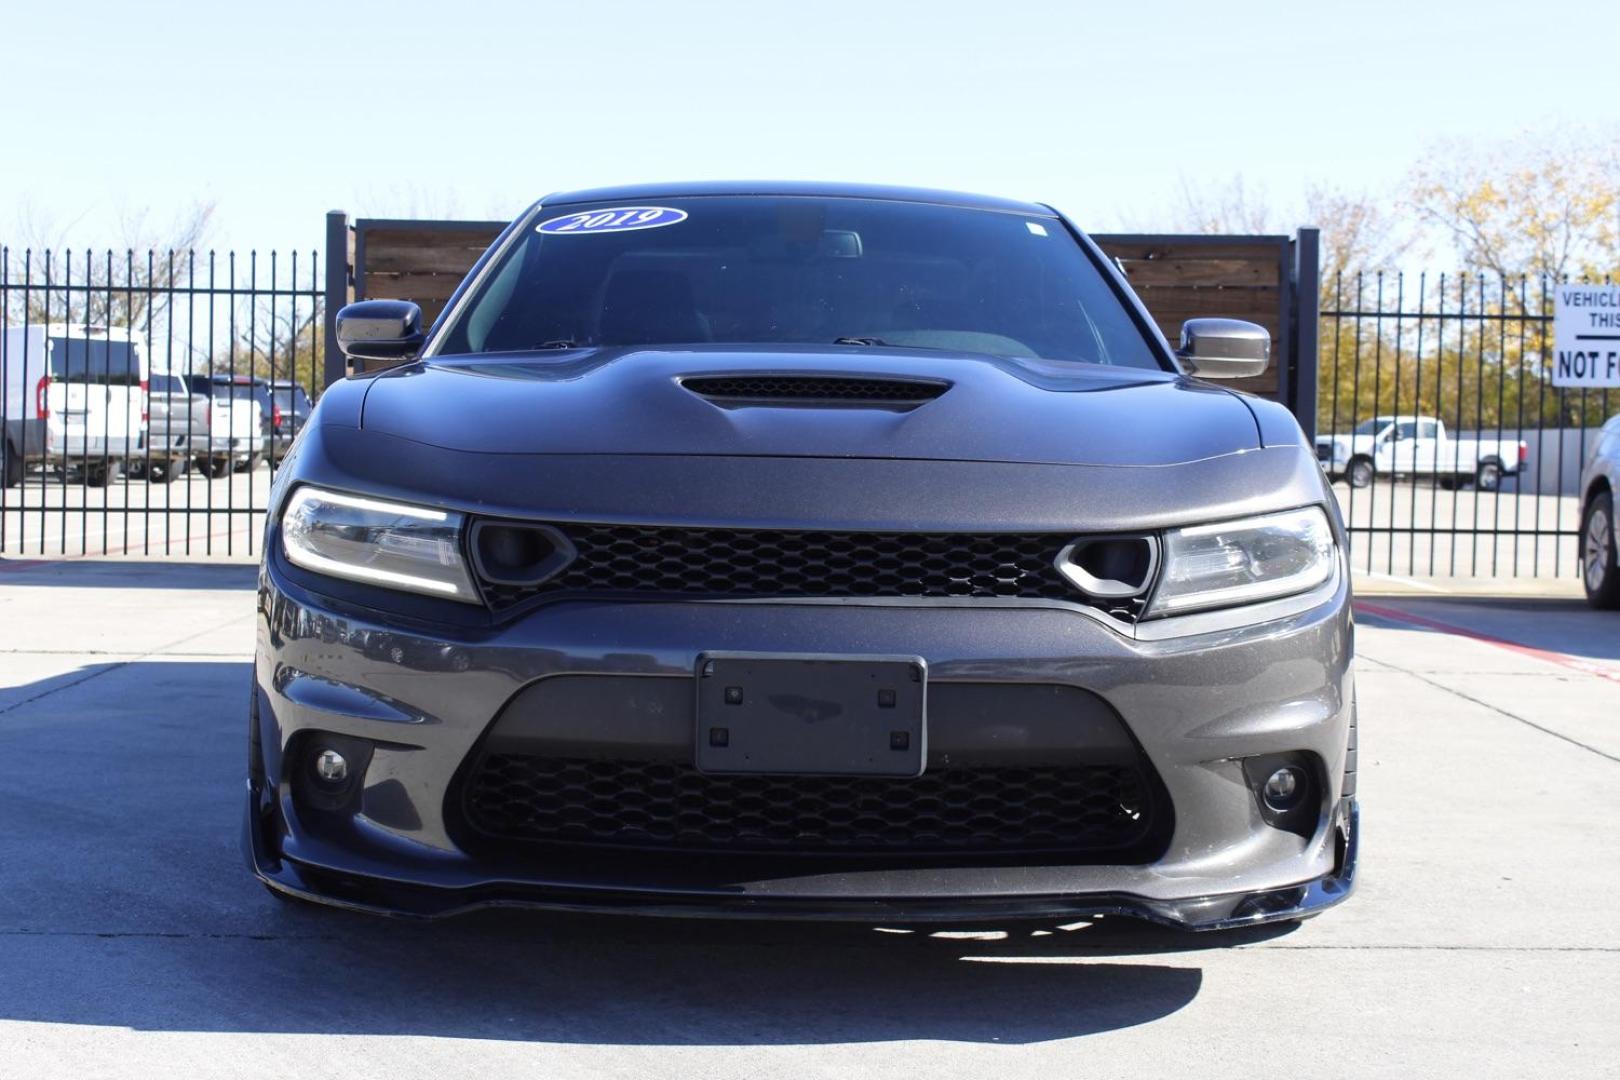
(1586, 336)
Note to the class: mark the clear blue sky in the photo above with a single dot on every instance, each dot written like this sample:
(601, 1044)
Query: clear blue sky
(278, 111)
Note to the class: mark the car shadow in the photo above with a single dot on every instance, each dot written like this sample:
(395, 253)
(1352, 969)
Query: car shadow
(125, 902)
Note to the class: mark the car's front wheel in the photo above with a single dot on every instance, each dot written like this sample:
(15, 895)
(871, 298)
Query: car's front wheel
(1360, 473)
(1601, 574)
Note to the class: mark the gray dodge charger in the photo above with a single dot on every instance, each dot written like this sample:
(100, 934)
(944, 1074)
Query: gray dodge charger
(802, 551)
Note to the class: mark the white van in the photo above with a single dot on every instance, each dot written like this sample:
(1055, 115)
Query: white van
(74, 397)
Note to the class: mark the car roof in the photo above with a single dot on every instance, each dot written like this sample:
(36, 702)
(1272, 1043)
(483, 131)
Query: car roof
(669, 190)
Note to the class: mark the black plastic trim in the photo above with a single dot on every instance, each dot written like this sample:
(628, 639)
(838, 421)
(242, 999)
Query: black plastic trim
(1224, 911)
(562, 552)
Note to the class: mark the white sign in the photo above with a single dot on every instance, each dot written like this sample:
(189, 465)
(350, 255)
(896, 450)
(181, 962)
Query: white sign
(1586, 335)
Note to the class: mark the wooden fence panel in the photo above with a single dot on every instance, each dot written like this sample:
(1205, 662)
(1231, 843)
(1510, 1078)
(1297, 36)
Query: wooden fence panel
(419, 261)
(1191, 277)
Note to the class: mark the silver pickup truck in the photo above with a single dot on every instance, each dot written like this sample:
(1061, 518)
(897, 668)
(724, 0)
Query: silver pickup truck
(214, 421)
(177, 427)
(1418, 446)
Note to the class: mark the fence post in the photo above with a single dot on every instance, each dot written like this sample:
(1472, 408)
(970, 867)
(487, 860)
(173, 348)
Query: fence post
(1307, 304)
(338, 287)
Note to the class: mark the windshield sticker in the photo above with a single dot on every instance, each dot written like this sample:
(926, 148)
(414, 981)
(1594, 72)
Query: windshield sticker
(613, 219)
(1035, 228)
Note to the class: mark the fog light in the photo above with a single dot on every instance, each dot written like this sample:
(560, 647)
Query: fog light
(1282, 788)
(333, 768)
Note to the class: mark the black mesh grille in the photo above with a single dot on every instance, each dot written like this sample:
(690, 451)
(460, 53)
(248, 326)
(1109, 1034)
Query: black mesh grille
(733, 562)
(814, 388)
(1073, 809)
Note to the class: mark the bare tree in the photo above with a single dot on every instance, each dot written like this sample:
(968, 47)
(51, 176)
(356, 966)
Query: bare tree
(48, 280)
(1231, 206)
(1358, 231)
(284, 342)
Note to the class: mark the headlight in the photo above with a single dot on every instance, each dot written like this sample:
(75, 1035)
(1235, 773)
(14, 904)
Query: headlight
(413, 548)
(1241, 562)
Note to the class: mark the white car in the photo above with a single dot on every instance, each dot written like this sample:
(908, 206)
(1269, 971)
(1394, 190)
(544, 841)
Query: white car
(1600, 480)
(74, 396)
(1418, 446)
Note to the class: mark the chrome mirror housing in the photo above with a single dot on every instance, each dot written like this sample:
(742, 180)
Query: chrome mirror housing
(1224, 348)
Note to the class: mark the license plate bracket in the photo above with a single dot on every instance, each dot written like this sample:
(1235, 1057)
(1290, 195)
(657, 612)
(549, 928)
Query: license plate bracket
(825, 715)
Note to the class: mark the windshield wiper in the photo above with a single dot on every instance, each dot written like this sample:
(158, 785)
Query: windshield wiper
(560, 343)
(878, 342)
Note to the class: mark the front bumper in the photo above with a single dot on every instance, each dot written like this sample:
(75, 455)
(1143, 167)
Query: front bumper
(1195, 706)
(238, 447)
(171, 444)
(77, 449)
(1227, 911)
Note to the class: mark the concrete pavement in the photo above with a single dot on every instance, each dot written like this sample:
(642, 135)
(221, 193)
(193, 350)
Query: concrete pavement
(1484, 941)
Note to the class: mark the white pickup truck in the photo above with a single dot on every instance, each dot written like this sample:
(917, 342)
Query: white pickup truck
(1418, 446)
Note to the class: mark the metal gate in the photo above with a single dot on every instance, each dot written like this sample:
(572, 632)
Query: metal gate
(1451, 450)
(148, 397)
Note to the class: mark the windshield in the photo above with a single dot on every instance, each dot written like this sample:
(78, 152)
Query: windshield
(756, 270)
(235, 391)
(290, 400)
(94, 360)
(1372, 427)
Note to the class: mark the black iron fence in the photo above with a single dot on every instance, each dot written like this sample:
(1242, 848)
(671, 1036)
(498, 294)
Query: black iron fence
(146, 397)
(1452, 452)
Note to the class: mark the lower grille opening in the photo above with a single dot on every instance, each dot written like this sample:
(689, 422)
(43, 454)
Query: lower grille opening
(1075, 809)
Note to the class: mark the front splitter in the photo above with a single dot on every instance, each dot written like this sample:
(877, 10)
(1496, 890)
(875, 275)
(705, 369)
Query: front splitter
(1223, 911)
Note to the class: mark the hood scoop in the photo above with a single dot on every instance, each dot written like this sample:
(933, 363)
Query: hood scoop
(815, 391)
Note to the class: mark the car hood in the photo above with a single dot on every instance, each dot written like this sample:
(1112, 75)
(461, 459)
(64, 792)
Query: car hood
(643, 401)
(1357, 441)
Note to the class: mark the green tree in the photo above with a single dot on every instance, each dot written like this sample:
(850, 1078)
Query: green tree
(1539, 204)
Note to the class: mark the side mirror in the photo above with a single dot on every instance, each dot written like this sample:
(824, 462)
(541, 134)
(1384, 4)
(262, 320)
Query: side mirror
(1224, 348)
(380, 330)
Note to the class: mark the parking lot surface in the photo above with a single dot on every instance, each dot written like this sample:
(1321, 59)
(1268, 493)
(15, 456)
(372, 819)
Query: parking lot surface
(1484, 939)
(193, 516)
(1416, 528)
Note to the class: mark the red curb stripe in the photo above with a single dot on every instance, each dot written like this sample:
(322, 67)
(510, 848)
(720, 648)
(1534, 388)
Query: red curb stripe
(1564, 660)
